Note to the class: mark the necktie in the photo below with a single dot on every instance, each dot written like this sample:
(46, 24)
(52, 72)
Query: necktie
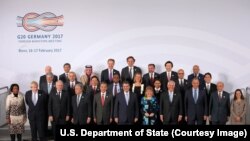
(49, 88)
(151, 79)
(171, 97)
(34, 98)
(130, 73)
(66, 74)
(127, 97)
(71, 85)
(115, 90)
(195, 95)
(220, 95)
(78, 100)
(94, 90)
(168, 76)
(102, 100)
(208, 88)
(181, 82)
(110, 76)
(59, 94)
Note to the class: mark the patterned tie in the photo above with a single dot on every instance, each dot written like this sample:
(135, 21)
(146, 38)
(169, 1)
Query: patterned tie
(102, 100)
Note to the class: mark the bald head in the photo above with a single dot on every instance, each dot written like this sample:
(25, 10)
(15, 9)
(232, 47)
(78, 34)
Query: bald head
(48, 69)
(220, 86)
(59, 85)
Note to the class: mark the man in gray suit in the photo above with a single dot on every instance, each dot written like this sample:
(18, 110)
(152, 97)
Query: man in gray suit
(103, 106)
(219, 106)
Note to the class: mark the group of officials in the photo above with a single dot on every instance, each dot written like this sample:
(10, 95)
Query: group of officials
(125, 98)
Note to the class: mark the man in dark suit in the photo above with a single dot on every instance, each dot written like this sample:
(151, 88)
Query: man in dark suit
(196, 110)
(94, 88)
(48, 86)
(219, 106)
(59, 106)
(82, 106)
(196, 74)
(70, 84)
(209, 87)
(168, 75)
(182, 85)
(126, 110)
(171, 105)
(157, 89)
(37, 101)
(115, 87)
(107, 74)
(48, 69)
(64, 76)
(128, 73)
(150, 77)
(103, 106)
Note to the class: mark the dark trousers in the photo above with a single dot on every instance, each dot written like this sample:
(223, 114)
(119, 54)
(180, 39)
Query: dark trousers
(218, 123)
(37, 126)
(13, 137)
(60, 121)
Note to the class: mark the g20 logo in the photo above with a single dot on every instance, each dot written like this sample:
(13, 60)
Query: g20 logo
(46, 21)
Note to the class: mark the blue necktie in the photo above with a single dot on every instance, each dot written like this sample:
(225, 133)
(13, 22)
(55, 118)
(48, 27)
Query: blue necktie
(195, 95)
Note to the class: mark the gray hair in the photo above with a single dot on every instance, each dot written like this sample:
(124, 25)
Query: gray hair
(50, 75)
(171, 82)
(79, 85)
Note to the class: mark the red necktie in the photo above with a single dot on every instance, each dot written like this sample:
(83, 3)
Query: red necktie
(102, 100)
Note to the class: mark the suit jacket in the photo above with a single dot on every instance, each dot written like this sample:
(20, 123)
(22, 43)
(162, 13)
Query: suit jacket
(91, 92)
(59, 107)
(164, 80)
(43, 79)
(146, 79)
(200, 77)
(196, 111)
(63, 78)
(111, 88)
(83, 111)
(170, 110)
(219, 109)
(213, 88)
(158, 94)
(182, 90)
(103, 113)
(105, 75)
(37, 112)
(125, 74)
(44, 87)
(126, 113)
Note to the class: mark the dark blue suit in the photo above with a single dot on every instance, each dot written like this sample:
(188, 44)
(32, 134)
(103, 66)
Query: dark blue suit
(219, 108)
(126, 113)
(195, 111)
(37, 114)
